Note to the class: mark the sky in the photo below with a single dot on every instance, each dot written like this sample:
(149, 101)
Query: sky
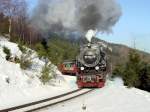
(133, 26)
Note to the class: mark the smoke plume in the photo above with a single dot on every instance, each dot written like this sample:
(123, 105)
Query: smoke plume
(90, 34)
(76, 15)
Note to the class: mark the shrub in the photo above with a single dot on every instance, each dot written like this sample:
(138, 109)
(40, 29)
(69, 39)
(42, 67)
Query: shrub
(7, 52)
(22, 48)
(25, 62)
(131, 78)
(45, 77)
(40, 50)
(119, 69)
(17, 60)
(130, 72)
(145, 77)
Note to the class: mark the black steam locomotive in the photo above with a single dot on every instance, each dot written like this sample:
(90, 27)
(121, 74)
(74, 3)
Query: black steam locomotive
(92, 65)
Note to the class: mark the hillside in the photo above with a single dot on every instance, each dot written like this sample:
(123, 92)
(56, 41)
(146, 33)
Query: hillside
(19, 85)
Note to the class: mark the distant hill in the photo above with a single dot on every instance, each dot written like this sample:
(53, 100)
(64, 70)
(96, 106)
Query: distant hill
(119, 54)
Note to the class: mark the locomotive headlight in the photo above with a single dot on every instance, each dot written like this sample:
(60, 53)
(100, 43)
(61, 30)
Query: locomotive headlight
(97, 68)
(82, 68)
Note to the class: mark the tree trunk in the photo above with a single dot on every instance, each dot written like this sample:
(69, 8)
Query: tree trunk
(10, 24)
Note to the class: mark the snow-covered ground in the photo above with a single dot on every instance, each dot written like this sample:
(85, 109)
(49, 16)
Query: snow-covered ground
(19, 86)
(114, 97)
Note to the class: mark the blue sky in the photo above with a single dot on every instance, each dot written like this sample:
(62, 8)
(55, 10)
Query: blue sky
(31, 4)
(134, 24)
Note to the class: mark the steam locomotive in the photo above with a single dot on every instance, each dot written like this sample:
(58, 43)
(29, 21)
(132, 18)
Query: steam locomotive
(92, 66)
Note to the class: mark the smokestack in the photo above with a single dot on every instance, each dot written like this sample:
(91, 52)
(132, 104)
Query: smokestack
(76, 15)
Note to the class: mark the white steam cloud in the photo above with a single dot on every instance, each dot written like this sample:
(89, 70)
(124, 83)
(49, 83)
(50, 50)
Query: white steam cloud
(90, 34)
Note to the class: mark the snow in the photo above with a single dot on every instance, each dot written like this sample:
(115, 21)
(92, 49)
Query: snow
(19, 86)
(114, 97)
(12, 46)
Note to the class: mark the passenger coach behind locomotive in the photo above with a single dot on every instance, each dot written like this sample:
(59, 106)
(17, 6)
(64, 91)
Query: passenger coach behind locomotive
(92, 65)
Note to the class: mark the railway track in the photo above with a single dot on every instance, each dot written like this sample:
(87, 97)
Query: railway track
(37, 105)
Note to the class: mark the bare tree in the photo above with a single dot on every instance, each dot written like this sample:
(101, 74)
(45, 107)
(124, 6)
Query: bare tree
(9, 8)
(19, 25)
(22, 19)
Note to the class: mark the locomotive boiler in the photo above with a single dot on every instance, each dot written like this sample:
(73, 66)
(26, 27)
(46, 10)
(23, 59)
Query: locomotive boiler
(92, 65)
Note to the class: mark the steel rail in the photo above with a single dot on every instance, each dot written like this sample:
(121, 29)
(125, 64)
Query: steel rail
(52, 104)
(38, 102)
